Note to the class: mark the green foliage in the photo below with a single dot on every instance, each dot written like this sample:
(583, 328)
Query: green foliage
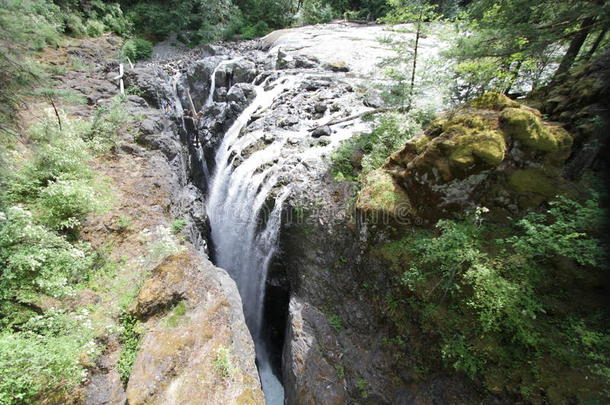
(222, 362)
(48, 354)
(24, 28)
(178, 225)
(163, 244)
(393, 130)
(36, 260)
(197, 21)
(409, 73)
(130, 343)
(511, 45)
(498, 306)
(45, 196)
(177, 314)
(340, 371)
(368, 10)
(336, 322)
(63, 204)
(57, 182)
(254, 31)
(95, 28)
(275, 13)
(362, 386)
(561, 232)
(137, 49)
(102, 133)
(92, 18)
(314, 12)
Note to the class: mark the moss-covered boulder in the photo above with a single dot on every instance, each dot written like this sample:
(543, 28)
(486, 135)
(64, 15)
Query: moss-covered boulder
(526, 127)
(493, 101)
(492, 151)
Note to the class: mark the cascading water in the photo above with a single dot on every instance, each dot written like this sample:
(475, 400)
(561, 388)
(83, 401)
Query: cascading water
(244, 243)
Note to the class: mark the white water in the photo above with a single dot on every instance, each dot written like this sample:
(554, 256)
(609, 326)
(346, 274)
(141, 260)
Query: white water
(210, 98)
(243, 245)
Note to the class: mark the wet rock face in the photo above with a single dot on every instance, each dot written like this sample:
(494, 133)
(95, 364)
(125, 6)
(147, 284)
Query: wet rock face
(493, 152)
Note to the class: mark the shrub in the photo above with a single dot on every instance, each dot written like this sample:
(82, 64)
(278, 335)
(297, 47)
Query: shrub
(74, 25)
(59, 155)
(178, 225)
(102, 134)
(130, 343)
(390, 135)
(260, 29)
(63, 204)
(196, 20)
(35, 260)
(95, 28)
(163, 245)
(314, 12)
(137, 49)
(46, 355)
(501, 308)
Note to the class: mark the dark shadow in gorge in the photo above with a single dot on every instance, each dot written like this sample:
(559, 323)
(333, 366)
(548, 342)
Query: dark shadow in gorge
(275, 315)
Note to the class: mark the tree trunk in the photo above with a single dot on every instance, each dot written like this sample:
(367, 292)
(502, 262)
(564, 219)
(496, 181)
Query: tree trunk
(574, 48)
(415, 49)
(596, 44)
(513, 77)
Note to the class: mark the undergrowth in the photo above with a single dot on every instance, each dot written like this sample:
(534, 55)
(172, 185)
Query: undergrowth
(46, 194)
(364, 153)
(520, 312)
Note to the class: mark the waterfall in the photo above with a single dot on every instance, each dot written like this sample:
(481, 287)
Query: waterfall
(210, 98)
(178, 109)
(245, 237)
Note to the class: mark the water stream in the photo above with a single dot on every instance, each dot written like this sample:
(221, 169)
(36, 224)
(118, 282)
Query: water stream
(244, 230)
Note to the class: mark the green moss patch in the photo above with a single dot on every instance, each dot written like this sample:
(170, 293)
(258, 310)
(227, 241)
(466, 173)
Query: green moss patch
(533, 181)
(524, 126)
(493, 101)
(488, 146)
(381, 193)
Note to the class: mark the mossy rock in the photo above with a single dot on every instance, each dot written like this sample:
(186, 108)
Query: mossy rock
(436, 128)
(526, 127)
(488, 146)
(380, 193)
(250, 397)
(493, 101)
(533, 181)
(470, 121)
(420, 143)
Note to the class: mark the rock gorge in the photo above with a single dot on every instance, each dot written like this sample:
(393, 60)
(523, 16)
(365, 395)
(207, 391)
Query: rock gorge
(239, 133)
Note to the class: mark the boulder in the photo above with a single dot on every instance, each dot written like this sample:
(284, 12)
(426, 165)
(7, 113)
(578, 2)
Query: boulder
(194, 314)
(321, 131)
(153, 83)
(338, 66)
(492, 151)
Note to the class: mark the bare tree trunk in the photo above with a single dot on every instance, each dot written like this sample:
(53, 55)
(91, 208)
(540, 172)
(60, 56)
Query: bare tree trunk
(596, 44)
(574, 48)
(415, 49)
(513, 77)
